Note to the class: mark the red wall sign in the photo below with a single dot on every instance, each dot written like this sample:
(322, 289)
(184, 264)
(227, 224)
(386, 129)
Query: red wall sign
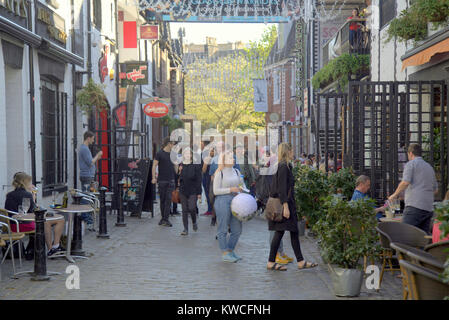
(149, 32)
(156, 109)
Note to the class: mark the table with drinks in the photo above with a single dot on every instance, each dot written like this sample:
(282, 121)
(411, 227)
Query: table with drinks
(392, 211)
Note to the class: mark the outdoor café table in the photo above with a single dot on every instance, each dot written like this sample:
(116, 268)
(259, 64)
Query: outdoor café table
(396, 218)
(31, 217)
(74, 232)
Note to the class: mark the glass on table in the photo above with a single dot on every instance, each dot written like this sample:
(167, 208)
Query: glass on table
(54, 194)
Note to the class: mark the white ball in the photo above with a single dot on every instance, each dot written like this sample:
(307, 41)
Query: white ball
(244, 207)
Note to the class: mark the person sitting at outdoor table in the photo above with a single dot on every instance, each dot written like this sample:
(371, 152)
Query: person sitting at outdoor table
(362, 186)
(420, 185)
(436, 232)
(23, 187)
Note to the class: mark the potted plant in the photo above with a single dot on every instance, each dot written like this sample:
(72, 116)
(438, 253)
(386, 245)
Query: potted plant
(347, 233)
(310, 188)
(433, 10)
(343, 181)
(92, 96)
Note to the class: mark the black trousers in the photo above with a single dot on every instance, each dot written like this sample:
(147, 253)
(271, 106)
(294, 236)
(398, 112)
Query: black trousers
(294, 237)
(188, 204)
(165, 190)
(418, 218)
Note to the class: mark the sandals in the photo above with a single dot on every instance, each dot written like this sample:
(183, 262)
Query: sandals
(277, 267)
(308, 265)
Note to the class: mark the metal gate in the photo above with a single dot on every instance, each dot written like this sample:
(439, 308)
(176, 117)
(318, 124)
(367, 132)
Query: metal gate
(384, 118)
(118, 141)
(329, 125)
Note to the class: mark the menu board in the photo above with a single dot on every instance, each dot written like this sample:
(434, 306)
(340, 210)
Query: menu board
(134, 173)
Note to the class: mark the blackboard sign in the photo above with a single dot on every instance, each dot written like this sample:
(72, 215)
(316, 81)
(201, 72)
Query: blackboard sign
(134, 173)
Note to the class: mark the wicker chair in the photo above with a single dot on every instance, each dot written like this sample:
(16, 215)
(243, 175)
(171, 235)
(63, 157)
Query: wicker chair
(12, 237)
(400, 233)
(440, 250)
(424, 284)
(416, 256)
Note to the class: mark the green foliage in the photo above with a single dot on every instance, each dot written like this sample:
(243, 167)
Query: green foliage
(433, 10)
(436, 147)
(347, 231)
(90, 96)
(311, 188)
(442, 215)
(172, 123)
(343, 180)
(221, 94)
(339, 69)
(412, 22)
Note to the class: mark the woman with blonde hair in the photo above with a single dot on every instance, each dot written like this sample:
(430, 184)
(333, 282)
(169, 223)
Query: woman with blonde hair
(283, 188)
(22, 190)
(227, 184)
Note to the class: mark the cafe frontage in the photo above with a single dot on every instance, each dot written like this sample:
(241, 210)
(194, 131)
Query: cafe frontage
(37, 63)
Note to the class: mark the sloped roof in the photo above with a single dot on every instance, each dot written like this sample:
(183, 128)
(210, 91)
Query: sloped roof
(277, 55)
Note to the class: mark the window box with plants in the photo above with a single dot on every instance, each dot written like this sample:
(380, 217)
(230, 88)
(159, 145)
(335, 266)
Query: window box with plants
(339, 70)
(347, 234)
(422, 17)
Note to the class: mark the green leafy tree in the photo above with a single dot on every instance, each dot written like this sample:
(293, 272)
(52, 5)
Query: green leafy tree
(221, 94)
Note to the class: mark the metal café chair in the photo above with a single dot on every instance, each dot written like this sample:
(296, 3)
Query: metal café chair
(93, 201)
(12, 214)
(12, 237)
(424, 283)
(400, 233)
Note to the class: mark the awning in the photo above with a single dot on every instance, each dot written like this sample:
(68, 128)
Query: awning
(61, 53)
(425, 55)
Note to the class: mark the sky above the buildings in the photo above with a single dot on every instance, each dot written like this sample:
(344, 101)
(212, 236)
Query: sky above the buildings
(224, 32)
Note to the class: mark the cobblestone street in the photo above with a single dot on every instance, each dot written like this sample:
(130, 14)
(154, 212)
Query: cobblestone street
(147, 261)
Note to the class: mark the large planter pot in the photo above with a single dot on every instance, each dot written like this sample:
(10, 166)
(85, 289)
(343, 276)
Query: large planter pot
(431, 29)
(346, 282)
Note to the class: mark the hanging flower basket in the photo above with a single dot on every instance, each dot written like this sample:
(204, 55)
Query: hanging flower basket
(92, 96)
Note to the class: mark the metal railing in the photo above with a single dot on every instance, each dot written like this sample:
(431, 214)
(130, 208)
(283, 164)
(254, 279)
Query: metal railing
(347, 41)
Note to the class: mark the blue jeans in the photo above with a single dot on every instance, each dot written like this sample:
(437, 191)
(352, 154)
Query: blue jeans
(85, 186)
(226, 220)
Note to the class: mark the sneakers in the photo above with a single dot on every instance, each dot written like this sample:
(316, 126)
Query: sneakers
(236, 256)
(90, 227)
(184, 233)
(52, 251)
(207, 213)
(195, 227)
(229, 257)
(281, 260)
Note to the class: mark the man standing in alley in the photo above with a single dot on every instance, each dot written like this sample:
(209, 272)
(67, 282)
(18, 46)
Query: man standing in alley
(165, 179)
(87, 171)
(420, 185)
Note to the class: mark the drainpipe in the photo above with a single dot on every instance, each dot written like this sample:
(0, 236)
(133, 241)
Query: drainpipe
(89, 40)
(32, 143)
(74, 122)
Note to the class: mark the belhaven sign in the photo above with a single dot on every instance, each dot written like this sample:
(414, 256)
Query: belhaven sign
(156, 109)
(134, 73)
(149, 32)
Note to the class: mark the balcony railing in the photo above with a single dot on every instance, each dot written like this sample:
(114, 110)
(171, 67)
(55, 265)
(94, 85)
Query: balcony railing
(347, 41)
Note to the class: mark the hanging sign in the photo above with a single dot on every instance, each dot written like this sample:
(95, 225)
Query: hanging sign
(134, 74)
(156, 109)
(149, 32)
(260, 95)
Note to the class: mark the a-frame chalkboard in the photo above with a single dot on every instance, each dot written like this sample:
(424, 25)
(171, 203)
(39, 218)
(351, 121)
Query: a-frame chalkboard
(134, 173)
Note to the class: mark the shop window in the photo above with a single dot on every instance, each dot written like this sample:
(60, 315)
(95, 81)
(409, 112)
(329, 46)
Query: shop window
(97, 14)
(54, 138)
